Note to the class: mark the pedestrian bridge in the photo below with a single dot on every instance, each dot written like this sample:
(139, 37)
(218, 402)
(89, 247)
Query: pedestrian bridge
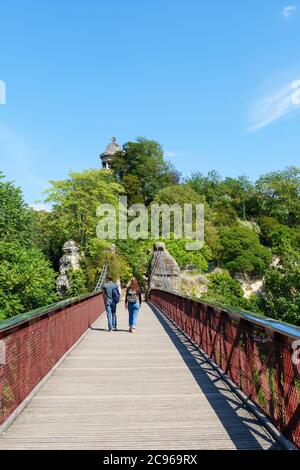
(193, 376)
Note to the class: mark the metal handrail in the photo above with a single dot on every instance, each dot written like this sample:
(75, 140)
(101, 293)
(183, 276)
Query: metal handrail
(276, 325)
(39, 312)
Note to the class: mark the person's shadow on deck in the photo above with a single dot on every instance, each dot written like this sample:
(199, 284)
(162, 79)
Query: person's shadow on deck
(119, 330)
(243, 431)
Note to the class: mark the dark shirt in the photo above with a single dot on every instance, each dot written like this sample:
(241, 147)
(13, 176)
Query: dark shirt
(108, 288)
(131, 291)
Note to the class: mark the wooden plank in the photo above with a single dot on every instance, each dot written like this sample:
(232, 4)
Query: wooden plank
(149, 390)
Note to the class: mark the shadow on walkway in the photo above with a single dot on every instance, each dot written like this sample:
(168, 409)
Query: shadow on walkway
(119, 330)
(245, 432)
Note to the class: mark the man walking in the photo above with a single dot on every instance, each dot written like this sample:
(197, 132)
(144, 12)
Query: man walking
(111, 295)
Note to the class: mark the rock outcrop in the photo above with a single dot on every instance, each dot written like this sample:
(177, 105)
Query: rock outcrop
(249, 224)
(250, 286)
(193, 284)
(165, 271)
(70, 261)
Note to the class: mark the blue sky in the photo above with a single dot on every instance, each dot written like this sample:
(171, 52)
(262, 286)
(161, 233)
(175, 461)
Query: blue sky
(216, 83)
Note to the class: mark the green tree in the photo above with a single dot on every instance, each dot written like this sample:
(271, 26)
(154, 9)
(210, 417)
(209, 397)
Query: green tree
(239, 191)
(15, 216)
(26, 279)
(50, 233)
(279, 195)
(224, 289)
(240, 251)
(267, 225)
(224, 216)
(285, 243)
(97, 253)
(118, 266)
(132, 189)
(178, 194)
(74, 216)
(209, 186)
(93, 261)
(281, 295)
(144, 160)
(75, 202)
(138, 256)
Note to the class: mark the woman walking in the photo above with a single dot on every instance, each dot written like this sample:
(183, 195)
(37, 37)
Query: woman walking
(133, 302)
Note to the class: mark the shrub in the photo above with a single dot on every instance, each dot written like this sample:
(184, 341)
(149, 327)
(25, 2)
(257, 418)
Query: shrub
(26, 280)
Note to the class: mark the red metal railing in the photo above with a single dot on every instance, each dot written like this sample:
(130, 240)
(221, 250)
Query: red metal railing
(256, 353)
(32, 343)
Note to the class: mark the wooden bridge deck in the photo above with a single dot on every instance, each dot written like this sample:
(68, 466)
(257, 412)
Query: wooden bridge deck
(151, 390)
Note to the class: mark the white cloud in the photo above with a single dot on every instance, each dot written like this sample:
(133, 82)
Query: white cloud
(170, 154)
(288, 10)
(40, 206)
(281, 102)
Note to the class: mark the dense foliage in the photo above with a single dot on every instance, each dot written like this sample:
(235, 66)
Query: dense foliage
(224, 289)
(26, 279)
(16, 222)
(257, 236)
(143, 160)
(282, 293)
(252, 232)
(241, 251)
